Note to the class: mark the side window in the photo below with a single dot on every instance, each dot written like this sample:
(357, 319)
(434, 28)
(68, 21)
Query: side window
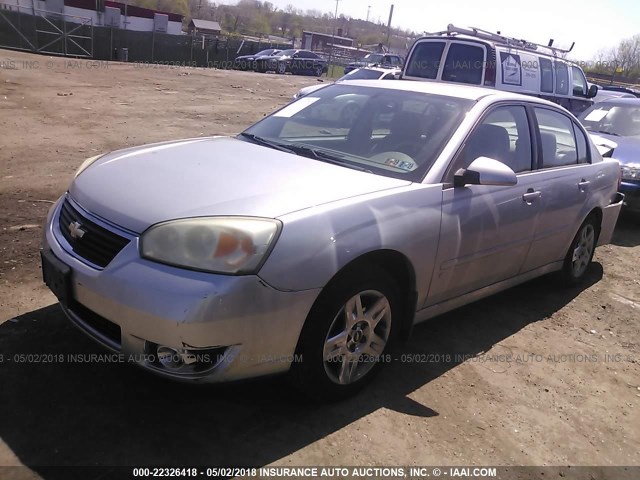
(425, 60)
(395, 61)
(502, 135)
(464, 64)
(579, 83)
(562, 79)
(582, 145)
(546, 75)
(558, 140)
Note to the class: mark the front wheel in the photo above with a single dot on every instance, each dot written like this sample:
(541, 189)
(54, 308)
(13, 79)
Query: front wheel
(580, 254)
(346, 336)
(282, 68)
(318, 71)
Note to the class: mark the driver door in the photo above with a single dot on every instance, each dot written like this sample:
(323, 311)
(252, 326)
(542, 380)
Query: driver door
(487, 230)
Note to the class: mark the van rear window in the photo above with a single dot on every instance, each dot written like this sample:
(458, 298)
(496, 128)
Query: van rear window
(425, 60)
(464, 64)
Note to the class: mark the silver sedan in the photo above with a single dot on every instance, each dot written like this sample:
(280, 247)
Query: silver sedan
(310, 246)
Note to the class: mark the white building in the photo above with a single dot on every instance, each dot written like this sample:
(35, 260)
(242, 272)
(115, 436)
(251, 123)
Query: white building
(102, 13)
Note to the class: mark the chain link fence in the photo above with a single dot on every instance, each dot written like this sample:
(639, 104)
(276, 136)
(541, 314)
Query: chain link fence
(59, 34)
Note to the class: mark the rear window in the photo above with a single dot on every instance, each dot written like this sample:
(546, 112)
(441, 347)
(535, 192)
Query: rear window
(425, 60)
(464, 64)
(362, 74)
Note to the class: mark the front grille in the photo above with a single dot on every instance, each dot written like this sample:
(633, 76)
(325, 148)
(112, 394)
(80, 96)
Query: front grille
(97, 326)
(93, 242)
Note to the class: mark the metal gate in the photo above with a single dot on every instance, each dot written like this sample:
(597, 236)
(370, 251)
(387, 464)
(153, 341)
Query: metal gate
(42, 31)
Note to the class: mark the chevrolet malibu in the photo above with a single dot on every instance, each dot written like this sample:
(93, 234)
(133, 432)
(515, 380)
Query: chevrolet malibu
(308, 246)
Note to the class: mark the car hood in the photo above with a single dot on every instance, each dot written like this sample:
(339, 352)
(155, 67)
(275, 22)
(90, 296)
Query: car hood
(625, 149)
(138, 187)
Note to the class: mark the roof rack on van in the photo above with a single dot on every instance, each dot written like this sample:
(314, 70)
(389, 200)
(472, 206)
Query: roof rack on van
(495, 37)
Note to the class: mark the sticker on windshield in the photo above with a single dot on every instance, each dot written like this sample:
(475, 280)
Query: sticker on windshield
(596, 115)
(401, 164)
(295, 107)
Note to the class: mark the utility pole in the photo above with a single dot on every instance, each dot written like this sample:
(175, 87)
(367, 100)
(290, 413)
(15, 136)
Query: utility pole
(333, 36)
(199, 7)
(368, 12)
(389, 25)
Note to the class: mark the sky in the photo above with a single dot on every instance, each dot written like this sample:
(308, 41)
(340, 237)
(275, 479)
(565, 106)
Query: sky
(593, 25)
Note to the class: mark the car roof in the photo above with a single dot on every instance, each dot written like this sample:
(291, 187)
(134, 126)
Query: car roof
(468, 92)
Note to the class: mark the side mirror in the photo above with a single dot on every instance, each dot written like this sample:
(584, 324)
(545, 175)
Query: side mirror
(485, 171)
(593, 91)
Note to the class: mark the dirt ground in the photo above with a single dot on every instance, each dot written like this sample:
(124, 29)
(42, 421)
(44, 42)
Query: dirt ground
(537, 375)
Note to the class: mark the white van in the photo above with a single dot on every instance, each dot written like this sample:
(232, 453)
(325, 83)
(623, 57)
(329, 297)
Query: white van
(478, 57)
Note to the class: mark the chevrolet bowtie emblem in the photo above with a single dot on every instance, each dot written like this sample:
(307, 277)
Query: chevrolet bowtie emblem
(76, 231)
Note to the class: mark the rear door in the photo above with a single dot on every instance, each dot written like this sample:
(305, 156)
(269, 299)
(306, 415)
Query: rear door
(487, 230)
(564, 178)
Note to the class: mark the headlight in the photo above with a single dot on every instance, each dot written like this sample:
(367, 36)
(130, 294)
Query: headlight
(630, 172)
(212, 244)
(86, 164)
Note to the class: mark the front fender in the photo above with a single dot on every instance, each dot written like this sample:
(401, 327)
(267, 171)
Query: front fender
(317, 243)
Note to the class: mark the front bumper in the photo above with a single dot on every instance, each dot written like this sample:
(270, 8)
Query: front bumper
(133, 306)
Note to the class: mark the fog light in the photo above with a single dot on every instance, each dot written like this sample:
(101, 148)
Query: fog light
(169, 358)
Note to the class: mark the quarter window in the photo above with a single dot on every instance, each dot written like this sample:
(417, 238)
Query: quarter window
(582, 145)
(558, 140)
(464, 64)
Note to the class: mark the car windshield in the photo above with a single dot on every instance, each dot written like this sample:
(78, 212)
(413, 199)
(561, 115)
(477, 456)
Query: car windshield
(362, 74)
(613, 118)
(373, 57)
(266, 52)
(385, 131)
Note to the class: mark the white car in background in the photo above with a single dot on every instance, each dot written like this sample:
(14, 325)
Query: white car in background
(369, 73)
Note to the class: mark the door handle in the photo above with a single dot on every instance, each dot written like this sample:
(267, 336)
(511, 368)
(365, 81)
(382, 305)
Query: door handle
(583, 185)
(531, 196)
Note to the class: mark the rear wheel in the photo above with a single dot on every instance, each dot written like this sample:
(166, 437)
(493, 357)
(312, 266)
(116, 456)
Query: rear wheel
(346, 335)
(580, 254)
(282, 68)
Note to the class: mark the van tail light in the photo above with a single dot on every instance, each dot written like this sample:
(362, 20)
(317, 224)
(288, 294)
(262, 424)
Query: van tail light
(490, 70)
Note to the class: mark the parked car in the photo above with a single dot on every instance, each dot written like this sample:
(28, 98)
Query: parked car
(298, 248)
(615, 125)
(373, 73)
(615, 88)
(248, 62)
(376, 59)
(608, 95)
(300, 62)
(474, 56)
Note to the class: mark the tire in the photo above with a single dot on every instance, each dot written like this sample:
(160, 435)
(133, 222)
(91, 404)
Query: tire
(318, 71)
(580, 253)
(340, 353)
(282, 68)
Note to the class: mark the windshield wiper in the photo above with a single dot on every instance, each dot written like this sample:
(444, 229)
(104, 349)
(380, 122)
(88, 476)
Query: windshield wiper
(304, 151)
(324, 156)
(267, 143)
(606, 133)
